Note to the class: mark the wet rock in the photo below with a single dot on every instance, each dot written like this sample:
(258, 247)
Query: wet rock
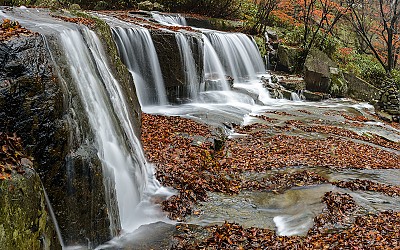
(25, 220)
(26, 223)
(287, 58)
(314, 96)
(33, 103)
(292, 83)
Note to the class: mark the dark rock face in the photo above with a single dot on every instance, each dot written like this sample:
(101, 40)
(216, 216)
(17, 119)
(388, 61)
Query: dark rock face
(323, 75)
(25, 221)
(171, 63)
(36, 105)
(286, 58)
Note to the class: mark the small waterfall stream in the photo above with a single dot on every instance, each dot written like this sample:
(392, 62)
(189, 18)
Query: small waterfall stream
(213, 69)
(139, 55)
(169, 19)
(122, 159)
(189, 65)
(238, 54)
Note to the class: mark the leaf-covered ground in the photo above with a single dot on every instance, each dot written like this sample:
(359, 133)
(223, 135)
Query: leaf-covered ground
(187, 159)
(379, 231)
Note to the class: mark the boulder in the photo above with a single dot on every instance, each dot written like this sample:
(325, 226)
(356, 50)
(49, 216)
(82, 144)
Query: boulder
(323, 75)
(314, 96)
(287, 58)
(25, 219)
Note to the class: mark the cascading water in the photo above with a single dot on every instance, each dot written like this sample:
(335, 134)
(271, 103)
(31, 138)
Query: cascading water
(139, 55)
(107, 111)
(192, 79)
(238, 53)
(169, 19)
(215, 76)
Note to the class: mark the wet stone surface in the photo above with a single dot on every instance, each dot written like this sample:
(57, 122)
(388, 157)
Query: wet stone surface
(305, 176)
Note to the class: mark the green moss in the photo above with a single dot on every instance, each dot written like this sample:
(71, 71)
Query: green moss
(260, 41)
(25, 222)
(338, 87)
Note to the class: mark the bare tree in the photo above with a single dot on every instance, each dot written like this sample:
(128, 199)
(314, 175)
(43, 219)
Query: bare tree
(386, 14)
(264, 9)
(319, 15)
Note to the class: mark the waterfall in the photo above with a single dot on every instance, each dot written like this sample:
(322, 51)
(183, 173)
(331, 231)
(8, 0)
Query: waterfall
(295, 97)
(214, 73)
(169, 19)
(118, 148)
(238, 54)
(138, 53)
(192, 79)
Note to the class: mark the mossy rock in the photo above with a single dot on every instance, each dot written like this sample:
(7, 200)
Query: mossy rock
(52, 4)
(25, 222)
(101, 5)
(75, 6)
(288, 58)
(338, 86)
(146, 5)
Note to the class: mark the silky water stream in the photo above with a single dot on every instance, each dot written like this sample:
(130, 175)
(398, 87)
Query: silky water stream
(215, 102)
(212, 101)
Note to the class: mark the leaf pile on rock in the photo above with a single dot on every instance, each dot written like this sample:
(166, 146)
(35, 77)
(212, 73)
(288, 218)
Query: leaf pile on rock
(78, 20)
(148, 23)
(283, 181)
(12, 157)
(183, 153)
(332, 130)
(368, 185)
(372, 231)
(10, 29)
(337, 214)
(260, 151)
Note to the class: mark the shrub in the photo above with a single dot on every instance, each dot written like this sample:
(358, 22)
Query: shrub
(365, 66)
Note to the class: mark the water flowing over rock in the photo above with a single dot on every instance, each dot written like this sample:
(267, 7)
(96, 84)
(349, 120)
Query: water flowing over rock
(238, 54)
(192, 78)
(75, 120)
(138, 53)
(196, 65)
(169, 19)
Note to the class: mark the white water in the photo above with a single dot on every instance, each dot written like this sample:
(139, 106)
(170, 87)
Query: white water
(139, 55)
(214, 72)
(192, 79)
(238, 54)
(295, 97)
(118, 148)
(176, 20)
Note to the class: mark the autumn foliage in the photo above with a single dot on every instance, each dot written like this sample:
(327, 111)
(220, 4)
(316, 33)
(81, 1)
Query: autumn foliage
(12, 156)
(9, 29)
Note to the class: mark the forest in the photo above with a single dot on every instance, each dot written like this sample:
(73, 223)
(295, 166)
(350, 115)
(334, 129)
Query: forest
(361, 35)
